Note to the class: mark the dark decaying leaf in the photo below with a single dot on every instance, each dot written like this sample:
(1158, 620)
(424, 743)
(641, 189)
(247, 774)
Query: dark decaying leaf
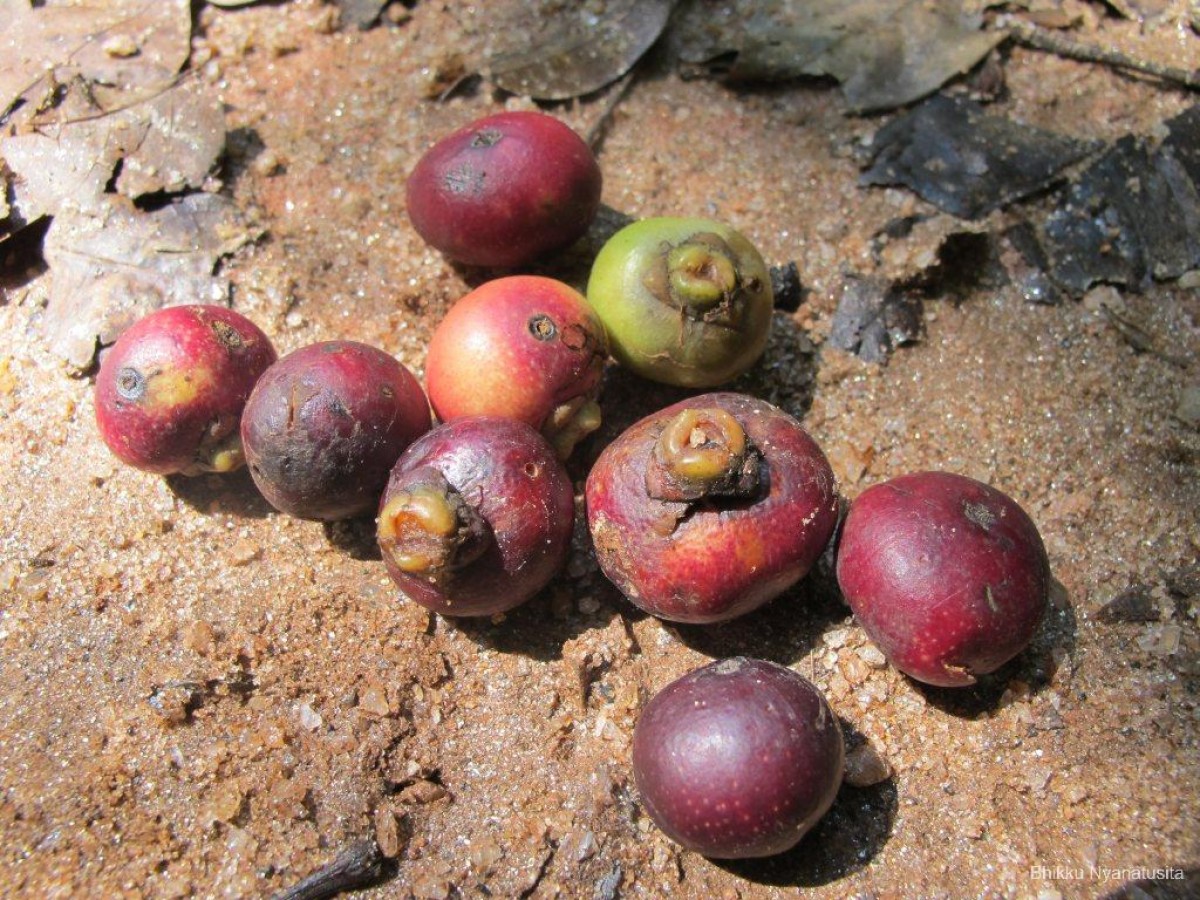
(114, 263)
(873, 317)
(885, 53)
(583, 52)
(1132, 215)
(951, 153)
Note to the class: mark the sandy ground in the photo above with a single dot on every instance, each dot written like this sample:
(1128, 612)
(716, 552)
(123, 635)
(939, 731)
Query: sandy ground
(203, 697)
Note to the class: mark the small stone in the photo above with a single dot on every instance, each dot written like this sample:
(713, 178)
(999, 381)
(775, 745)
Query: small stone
(199, 637)
(388, 834)
(872, 656)
(1037, 777)
(310, 719)
(120, 46)
(836, 639)
(865, 767)
(373, 700)
(243, 553)
(1187, 410)
(1160, 640)
(588, 605)
(421, 793)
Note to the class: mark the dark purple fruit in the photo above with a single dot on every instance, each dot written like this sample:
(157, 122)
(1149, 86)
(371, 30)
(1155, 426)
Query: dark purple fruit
(523, 347)
(326, 424)
(711, 507)
(170, 392)
(505, 190)
(946, 574)
(738, 759)
(477, 517)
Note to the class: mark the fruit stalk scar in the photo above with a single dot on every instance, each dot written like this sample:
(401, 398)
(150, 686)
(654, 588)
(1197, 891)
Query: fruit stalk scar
(429, 529)
(703, 453)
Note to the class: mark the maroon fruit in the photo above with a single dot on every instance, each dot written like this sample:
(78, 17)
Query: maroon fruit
(170, 392)
(711, 507)
(946, 574)
(477, 517)
(738, 759)
(505, 190)
(326, 424)
(523, 347)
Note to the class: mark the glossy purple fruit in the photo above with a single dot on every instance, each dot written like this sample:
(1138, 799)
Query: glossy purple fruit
(325, 425)
(738, 759)
(505, 190)
(711, 507)
(170, 392)
(946, 574)
(477, 517)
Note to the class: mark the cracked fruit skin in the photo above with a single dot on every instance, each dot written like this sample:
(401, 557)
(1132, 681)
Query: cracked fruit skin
(738, 759)
(170, 391)
(691, 542)
(686, 301)
(505, 190)
(477, 517)
(325, 425)
(523, 347)
(946, 574)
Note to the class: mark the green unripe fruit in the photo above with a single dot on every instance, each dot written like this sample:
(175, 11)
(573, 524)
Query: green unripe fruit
(685, 301)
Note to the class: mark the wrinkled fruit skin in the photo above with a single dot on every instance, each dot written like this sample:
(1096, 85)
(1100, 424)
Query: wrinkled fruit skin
(738, 759)
(946, 574)
(512, 479)
(325, 425)
(523, 347)
(712, 560)
(701, 333)
(505, 190)
(170, 392)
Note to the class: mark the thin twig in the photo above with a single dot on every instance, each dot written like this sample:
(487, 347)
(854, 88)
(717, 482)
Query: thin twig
(358, 866)
(596, 133)
(1028, 35)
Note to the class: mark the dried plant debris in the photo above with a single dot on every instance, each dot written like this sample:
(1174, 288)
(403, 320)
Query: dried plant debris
(873, 317)
(1133, 215)
(113, 263)
(117, 46)
(582, 51)
(966, 162)
(1026, 265)
(884, 53)
(66, 156)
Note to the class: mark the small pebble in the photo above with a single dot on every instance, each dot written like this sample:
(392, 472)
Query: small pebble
(865, 767)
(120, 46)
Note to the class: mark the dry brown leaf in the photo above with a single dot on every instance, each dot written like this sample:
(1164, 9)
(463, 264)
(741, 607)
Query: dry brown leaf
(114, 263)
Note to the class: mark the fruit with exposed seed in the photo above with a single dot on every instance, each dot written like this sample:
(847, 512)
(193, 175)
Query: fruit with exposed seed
(476, 517)
(685, 301)
(710, 508)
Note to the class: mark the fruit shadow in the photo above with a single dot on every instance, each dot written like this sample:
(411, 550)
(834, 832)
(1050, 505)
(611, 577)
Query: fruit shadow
(539, 628)
(846, 839)
(233, 493)
(783, 631)
(1033, 668)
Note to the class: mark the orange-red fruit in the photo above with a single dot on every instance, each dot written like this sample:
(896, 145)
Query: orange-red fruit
(505, 190)
(946, 574)
(738, 759)
(719, 545)
(325, 425)
(170, 391)
(522, 347)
